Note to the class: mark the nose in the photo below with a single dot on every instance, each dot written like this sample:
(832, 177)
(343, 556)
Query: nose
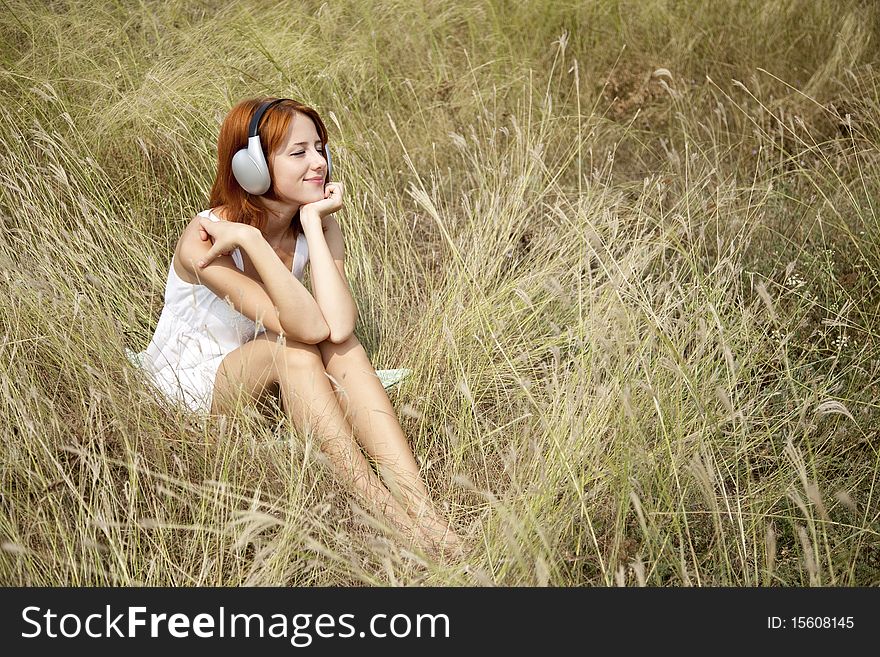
(319, 164)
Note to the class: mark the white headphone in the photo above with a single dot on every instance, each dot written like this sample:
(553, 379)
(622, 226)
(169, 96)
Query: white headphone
(249, 164)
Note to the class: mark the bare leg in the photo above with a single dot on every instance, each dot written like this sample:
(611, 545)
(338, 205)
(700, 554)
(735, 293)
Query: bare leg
(311, 406)
(375, 423)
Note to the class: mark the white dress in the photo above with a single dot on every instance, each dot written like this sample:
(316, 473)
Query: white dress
(196, 330)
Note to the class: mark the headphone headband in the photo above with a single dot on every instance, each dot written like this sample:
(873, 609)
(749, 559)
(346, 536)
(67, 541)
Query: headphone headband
(254, 128)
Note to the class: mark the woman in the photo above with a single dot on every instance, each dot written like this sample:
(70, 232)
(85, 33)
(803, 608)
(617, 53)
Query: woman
(237, 317)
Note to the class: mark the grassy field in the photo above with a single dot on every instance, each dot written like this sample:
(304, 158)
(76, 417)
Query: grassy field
(630, 250)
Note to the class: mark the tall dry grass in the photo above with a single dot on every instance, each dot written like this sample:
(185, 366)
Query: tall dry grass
(629, 249)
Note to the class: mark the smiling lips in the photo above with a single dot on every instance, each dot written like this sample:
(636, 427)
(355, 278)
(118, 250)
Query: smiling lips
(315, 181)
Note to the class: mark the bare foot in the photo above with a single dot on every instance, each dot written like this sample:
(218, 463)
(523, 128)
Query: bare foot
(452, 547)
(442, 542)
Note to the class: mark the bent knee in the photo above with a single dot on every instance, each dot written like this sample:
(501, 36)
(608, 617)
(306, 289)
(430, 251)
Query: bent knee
(292, 353)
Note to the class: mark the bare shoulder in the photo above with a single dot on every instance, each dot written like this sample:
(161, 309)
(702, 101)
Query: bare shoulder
(190, 248)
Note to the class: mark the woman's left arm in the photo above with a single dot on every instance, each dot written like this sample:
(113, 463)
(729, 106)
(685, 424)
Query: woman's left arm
(329, 285)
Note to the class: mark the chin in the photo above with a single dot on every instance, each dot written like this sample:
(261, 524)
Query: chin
(305, 197)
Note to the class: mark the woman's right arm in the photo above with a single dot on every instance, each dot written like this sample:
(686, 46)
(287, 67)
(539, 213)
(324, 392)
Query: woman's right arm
(281, 303)
(298, 312)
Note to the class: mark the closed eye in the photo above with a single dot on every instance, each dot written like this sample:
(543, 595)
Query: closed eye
(303, 152)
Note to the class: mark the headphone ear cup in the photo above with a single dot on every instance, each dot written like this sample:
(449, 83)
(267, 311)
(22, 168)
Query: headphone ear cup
(329, 163)
(250, 169)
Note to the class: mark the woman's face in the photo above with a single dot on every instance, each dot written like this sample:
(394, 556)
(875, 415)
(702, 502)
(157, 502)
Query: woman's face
(300, 159)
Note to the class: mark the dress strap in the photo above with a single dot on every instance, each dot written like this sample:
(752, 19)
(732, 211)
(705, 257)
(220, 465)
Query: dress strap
(300, 255)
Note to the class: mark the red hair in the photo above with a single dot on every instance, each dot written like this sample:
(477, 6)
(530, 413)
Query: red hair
(240, 205)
